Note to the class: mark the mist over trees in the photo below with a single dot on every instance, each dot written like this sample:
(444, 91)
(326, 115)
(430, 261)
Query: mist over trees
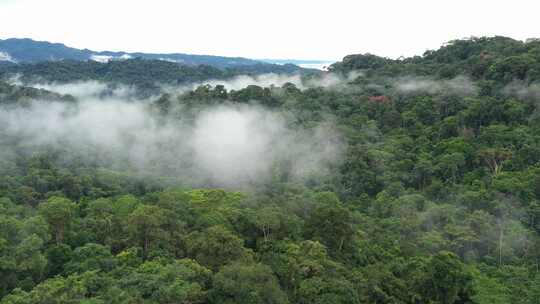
(414, 180)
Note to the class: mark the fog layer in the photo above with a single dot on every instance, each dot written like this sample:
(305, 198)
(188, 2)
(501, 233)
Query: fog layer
(226, 145)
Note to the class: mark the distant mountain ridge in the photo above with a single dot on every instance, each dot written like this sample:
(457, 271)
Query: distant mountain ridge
(26, 50)
(309, 64)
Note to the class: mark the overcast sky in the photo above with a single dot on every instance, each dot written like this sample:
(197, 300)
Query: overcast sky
(276, 29)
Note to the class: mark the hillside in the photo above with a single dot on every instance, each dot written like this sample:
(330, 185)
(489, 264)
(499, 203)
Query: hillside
(498, 59)
(31, 51)
(146, 75)
(414, 180)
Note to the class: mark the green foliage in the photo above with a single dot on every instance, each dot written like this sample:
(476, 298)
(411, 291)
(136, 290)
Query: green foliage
(251, 283)
(215, 246)
(436, 198)
(58, 212)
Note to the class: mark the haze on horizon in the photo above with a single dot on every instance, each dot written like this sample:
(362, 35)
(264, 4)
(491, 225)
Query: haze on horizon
(254, 29)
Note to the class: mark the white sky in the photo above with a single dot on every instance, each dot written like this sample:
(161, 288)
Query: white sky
(298, 29)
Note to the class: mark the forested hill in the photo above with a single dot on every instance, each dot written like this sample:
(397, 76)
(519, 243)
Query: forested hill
(499, 59)
(141, 73)
(16, 94)
(413, 180)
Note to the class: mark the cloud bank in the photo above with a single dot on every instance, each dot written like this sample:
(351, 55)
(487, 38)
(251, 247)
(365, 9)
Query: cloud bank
(325, 80)
(460, 85)
(523, 90)
(228, 145)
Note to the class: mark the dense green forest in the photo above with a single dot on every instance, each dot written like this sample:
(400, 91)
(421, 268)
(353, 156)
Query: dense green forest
(145, 75)
(435, 197)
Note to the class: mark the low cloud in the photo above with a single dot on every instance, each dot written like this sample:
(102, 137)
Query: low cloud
(228, 145)
(5, 56)
(85, 89)
(460, 85)
(522, 90)
(326, 80)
